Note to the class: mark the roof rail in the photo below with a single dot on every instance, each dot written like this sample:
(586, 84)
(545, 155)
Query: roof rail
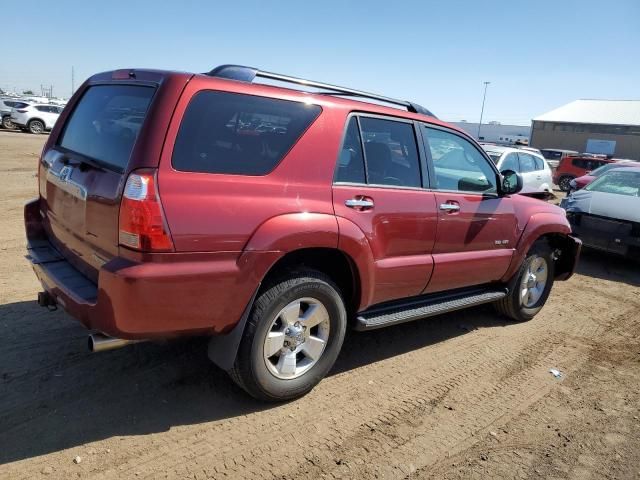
(248, 74)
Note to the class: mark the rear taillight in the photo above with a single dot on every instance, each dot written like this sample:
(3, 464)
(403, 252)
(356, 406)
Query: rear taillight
(142, 223)
(22, 111)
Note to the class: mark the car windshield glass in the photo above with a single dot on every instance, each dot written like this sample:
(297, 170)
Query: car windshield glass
(621, 182)
(603, 169)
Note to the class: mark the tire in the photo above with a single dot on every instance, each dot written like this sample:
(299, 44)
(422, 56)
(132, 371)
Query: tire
(564, 183)
(7, 123)
(35, 126)
(290, 371)
(514, 305)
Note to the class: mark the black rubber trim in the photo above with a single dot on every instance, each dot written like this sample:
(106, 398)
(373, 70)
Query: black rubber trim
(223, 348)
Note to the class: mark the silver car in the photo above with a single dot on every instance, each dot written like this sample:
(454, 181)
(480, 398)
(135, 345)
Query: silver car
(606, 213)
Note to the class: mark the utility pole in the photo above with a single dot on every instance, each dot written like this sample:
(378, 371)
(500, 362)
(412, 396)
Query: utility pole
(484, 97)
(73, 87)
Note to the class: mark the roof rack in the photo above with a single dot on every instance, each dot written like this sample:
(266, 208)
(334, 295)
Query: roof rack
(248, 74)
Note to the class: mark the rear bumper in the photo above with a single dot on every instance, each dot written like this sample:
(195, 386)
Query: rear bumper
(176, 294)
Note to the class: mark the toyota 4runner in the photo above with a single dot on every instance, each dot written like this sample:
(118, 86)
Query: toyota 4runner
(270, 219)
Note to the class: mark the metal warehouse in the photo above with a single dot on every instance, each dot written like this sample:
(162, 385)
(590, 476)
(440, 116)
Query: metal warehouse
(610, 127)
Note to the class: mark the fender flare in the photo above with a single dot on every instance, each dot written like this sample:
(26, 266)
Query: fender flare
(538, 225)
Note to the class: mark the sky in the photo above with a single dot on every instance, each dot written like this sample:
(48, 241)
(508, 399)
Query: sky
(538, 55)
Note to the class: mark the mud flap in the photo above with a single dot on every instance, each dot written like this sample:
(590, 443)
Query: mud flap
(223, 348)
(566, 264)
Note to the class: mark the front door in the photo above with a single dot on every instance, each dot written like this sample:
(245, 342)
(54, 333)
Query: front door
(476, 232)
(378, 187)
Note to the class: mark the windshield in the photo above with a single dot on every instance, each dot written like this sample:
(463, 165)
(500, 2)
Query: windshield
(604, 168)
(621, 182)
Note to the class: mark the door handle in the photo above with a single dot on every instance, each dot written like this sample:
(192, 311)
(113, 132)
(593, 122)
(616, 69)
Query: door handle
(449, 207)
(358, 203)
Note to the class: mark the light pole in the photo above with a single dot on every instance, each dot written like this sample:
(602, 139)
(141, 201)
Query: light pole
(484, 97)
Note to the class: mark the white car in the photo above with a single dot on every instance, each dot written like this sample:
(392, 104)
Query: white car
(35, 118)
(535, 171)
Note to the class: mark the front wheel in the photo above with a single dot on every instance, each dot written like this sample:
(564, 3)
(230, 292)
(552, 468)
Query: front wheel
(530, 286)
(293, 337)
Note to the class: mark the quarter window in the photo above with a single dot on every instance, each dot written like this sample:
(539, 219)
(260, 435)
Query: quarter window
(238, 134)
(351, 161)
(458, 165)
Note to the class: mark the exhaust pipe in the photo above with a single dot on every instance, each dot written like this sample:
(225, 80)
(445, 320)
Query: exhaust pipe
(99, 342)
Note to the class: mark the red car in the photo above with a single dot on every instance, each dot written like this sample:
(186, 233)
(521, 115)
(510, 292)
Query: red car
(270, 219)
(576, 166)
(581, 182)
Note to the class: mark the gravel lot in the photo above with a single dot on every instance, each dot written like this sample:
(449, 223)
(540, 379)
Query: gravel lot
(466, 395)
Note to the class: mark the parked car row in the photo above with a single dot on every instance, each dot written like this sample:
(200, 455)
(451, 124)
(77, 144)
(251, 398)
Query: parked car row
(28, 116)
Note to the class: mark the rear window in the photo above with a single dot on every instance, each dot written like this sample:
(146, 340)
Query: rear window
(101, 125)
(238, 134)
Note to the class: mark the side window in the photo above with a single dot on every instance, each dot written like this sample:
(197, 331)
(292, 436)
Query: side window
(458, 164)
(238, 134)
(42, 109)
(539, 162)
(578, 162)
(391, 152)
(350, 159)
(510, 163)
(527, 162)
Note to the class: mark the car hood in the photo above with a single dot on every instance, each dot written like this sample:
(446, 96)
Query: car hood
(609, 205)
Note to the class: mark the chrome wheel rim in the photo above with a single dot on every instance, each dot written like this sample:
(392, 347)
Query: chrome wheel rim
(297, 338)
(36, 127)
(533, 281)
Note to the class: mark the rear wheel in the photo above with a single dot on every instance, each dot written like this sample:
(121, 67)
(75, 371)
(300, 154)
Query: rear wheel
(293, 337)
(565, 183)
(7, 123)
(530, 286)
(35, 126)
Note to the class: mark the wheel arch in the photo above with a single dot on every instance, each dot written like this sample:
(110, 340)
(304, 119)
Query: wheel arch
(557, 233)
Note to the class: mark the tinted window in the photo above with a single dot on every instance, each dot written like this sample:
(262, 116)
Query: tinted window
(350, 160)
(238, 134)
(458, 164)
(97, 126)
(510, 163)
(551, 155)
(527, 162)
(42, 109)
(391, 152)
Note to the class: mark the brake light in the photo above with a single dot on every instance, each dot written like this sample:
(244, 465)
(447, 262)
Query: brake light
(142, 224)
(22, 111)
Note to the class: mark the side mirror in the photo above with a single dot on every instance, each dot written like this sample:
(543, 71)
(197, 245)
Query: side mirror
(511, 182)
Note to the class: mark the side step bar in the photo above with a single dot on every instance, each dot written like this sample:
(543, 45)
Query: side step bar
(426, 306)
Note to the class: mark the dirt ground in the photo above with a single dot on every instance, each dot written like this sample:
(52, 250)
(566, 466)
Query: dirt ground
(465, 395)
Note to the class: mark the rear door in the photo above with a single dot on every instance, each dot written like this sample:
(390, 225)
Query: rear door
(81, 175)
(379, 187)
(476, 228)
(531, 172)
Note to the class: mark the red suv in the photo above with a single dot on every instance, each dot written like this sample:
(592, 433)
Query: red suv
(576, 166)
(271, 219)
